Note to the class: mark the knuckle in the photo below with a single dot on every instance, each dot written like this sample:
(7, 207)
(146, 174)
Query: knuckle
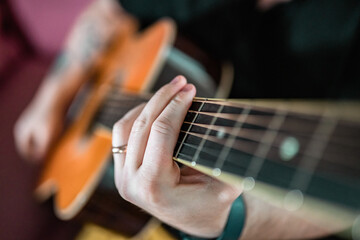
(163, 126)
(126, 120)
(175, 104)
(119, 126)
(163, 92)
(178, 99)
(140, 123)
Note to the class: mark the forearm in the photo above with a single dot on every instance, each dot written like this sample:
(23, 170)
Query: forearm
(265, 221)
(89, 37)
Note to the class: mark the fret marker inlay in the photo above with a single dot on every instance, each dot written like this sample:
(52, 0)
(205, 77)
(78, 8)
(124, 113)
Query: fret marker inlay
(248, 183)
(289, 148)
(220, 133)
(293, 200)
(216, 172)
(313, 153)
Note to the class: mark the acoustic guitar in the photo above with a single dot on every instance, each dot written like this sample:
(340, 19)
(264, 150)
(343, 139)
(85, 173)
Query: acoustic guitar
(137, 63)
(300, 155)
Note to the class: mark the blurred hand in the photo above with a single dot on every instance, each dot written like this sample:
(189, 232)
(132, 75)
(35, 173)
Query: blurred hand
(36, 129)
(148, 177)
(41, 122)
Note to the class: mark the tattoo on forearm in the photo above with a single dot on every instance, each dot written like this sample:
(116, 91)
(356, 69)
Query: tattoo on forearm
(93, 41)
(91, 37)
(61, 63)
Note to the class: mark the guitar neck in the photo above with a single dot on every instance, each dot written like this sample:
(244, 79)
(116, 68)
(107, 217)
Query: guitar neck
(300, 147)
(301, 150)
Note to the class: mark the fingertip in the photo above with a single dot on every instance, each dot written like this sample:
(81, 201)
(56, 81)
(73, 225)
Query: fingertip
(189, 90)
(180, 79)
(188, 87)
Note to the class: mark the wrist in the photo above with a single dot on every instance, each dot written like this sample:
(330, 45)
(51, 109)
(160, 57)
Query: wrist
(233, 228)
(49, 100)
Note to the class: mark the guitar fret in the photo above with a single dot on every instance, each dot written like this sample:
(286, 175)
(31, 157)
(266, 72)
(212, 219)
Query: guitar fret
(265, 144)
(313, 153)
(188, 130)
(248, 145)
(201, 145)
(229, 137)
(230, 142)
(233, 106)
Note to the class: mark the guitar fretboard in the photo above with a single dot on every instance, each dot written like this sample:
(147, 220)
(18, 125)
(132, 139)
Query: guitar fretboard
(290, 150)
(287, 149)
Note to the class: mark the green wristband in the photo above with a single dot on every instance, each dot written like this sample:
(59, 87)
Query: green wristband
(234, 225)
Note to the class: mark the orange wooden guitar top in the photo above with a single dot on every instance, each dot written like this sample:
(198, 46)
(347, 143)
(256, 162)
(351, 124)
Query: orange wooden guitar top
(76, 164)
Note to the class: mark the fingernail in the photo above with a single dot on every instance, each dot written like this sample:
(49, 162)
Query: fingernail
(176, 80)
(187, 88)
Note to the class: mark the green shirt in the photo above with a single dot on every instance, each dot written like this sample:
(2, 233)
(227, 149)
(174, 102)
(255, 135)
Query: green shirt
(305, 48)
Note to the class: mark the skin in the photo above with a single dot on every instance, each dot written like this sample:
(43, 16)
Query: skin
(149, 178)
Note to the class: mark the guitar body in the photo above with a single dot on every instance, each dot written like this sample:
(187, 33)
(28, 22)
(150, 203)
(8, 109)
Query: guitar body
(76, 165)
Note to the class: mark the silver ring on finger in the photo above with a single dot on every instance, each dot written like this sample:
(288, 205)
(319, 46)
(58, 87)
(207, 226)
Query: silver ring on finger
(119, 149)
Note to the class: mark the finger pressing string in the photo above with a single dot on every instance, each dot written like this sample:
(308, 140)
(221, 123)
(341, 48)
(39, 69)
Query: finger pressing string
(165, 129)
(141, 128)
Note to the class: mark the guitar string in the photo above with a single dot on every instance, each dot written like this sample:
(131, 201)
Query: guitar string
(189, 128)
(109, 113)
(279, 179)
(300, 153)
(252, 131)
(314, 152)
(131, 96)
(282, 134)
(236, 162)
(249, 146)
(255, 134)
(261, 152)
(104, 116)
(203, 140)
(253, 122)
(118, 98)
(270, 177)
(290, 124)
(231, 140)
(243, 146)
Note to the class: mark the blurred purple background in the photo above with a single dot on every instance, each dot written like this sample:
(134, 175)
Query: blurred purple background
(31, 33)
